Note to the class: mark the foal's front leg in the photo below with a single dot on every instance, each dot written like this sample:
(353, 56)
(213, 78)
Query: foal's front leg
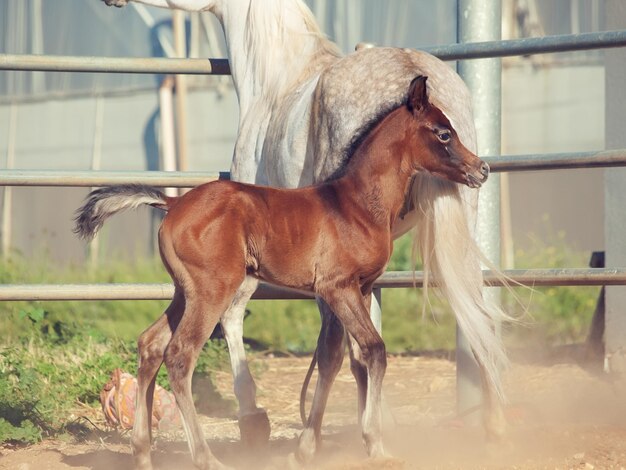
(349, 306)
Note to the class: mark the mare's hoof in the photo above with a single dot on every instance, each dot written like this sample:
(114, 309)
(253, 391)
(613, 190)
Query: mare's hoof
(255, 428)
(116, 3)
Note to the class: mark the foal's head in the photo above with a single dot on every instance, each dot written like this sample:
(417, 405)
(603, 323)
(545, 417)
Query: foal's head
(438, 148)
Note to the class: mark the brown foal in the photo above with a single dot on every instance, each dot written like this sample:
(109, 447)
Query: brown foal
(332, 239)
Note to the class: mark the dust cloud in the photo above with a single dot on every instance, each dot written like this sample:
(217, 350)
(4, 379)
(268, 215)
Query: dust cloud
(560, 415)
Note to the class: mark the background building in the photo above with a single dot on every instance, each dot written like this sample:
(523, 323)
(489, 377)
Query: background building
(551, 103)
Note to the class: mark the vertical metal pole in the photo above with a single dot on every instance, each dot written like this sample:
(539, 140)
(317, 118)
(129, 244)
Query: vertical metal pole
(481, 20)
(38, 78)
(96, 164)
(168, 131)
(7, 203)
(180, 44)
(614, 184)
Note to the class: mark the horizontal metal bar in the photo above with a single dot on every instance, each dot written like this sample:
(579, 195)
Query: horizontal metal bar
(188, 179)
(122, 292)
(154, 65)
(529, 46)
(391, 279)
(522, 277)
(557, 161)
(88, 178)
(526, 46)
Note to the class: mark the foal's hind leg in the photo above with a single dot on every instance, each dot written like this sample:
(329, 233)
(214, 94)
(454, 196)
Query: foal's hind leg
(151, 347)
(205, 302)
(329, 358)
(254, 426)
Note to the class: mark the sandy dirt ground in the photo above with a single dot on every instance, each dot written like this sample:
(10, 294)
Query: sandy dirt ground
(560, 417)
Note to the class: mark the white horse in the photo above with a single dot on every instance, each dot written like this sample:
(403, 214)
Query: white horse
(301, 105)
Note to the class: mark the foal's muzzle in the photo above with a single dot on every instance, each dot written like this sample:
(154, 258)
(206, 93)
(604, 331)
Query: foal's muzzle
(484, 170)
(476, 179)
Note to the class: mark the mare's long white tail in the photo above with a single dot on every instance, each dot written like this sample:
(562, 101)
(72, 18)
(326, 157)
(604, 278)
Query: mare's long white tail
(452, 260)
(103, 203)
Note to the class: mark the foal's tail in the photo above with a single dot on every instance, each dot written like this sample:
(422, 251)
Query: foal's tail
(103, 203)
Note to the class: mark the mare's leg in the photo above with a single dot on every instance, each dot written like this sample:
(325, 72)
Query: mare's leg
(329, 358)
(205, 302)
(151, 348)
(350, 307)
(254, 426)
(357, 366)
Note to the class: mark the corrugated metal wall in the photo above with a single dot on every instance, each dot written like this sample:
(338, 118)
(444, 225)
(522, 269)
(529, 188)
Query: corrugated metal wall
(56, 112)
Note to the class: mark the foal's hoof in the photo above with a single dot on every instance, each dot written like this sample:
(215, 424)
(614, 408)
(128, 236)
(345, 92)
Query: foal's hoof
(375, 449)
(255, 428)
(142, 462)
(293, 463)
(388, 463)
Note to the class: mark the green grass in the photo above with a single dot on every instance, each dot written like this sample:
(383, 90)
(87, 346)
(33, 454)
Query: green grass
(117, 319)
(55, 367)
(68, 349)
(553, 316)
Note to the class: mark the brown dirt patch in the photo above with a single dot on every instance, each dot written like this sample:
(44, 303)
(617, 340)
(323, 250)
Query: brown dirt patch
(560, 417)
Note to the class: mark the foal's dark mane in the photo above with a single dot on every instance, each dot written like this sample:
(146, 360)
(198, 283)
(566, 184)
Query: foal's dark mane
(361, 134)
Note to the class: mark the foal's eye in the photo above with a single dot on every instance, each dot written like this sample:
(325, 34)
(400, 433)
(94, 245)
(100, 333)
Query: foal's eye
(444, 136)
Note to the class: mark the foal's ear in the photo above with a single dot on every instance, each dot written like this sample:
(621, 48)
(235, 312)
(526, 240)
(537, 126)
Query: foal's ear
(418, 97)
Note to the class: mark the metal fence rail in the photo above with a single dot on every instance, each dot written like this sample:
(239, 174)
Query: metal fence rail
(88, 178)
(476, 50)
(391, 279)
(558, 161)
(154, 65)
(529, 46)
(187, 179)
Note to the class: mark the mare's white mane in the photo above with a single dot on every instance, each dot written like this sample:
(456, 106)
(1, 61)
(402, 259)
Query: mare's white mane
(281, 33)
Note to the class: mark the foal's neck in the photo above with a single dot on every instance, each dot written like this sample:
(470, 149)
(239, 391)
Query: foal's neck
(379, 172)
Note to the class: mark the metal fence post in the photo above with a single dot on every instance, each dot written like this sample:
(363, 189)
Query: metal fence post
(614, 181)
(481, 20)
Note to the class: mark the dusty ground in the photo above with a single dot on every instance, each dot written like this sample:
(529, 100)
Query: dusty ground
(560, 417)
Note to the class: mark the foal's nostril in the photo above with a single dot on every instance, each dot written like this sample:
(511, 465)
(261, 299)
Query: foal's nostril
(484, 169)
